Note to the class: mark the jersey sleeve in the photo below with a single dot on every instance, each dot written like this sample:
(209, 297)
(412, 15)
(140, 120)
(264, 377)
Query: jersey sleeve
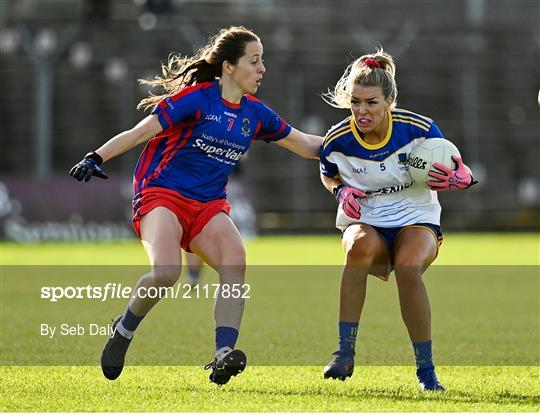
(327, 168)
(178, 107)
(434, 131)
(272, 127)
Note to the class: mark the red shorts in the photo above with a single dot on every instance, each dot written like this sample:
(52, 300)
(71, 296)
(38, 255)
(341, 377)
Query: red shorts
(192, 214)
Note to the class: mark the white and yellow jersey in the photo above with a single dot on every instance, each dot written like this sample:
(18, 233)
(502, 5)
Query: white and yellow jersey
(381, 171)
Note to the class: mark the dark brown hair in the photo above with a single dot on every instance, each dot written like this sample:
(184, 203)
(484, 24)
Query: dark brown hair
(228, 44)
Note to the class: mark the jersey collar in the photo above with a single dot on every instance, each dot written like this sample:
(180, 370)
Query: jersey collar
(229, 104)
(377, 146)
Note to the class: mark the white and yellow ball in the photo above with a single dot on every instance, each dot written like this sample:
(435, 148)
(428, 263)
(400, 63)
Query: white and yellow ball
(429, 151)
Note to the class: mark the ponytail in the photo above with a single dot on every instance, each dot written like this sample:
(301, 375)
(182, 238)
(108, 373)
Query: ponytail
(227, 45)
(178, 73)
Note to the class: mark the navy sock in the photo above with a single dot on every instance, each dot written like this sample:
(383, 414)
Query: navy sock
(226, 337)
(194, 273)
(347, 336)
(422, 356)
(130, 321)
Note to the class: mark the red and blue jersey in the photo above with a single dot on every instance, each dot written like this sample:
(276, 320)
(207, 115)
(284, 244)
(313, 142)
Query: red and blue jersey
(203, 139)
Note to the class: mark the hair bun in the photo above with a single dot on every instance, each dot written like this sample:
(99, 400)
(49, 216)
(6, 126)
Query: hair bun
(372, 63)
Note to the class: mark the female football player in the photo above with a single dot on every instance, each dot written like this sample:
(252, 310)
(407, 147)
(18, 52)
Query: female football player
(198, 131)
(386, 221)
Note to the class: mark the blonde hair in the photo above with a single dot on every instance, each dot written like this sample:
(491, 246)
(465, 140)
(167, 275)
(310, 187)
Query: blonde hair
(228, 44)
(366, 74)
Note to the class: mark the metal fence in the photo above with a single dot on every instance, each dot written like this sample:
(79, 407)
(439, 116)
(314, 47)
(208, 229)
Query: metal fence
(69, 73)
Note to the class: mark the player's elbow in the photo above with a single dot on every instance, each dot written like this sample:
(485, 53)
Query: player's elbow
(138, 136)
(314, 146)
(305, 145)
(310, 150)
(308, 154)
(145, 130)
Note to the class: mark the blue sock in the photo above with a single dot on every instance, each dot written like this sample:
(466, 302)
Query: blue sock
(194, 273)
(422, 356)
(226, 337)
(347, 336)
(130, 321)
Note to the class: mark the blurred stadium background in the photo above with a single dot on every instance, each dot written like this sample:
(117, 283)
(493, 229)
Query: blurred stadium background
(69, 71)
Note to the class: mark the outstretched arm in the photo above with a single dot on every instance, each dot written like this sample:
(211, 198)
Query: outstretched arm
(305, 145)
(125, 141)
(119, 144)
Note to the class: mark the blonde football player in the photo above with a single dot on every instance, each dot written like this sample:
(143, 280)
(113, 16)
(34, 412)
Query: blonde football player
(387, 222)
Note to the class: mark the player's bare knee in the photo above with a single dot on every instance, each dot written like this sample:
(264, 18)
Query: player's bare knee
(408, 273)
(360, 251)
(410, 264)
(231, 273)
(234, 257)
(231, 266)
(165, 275)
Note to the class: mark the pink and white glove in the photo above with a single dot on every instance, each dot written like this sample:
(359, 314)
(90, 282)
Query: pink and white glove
(346, 196)
(449, 179)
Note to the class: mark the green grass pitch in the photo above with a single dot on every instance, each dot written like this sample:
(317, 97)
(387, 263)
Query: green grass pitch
(497, 385)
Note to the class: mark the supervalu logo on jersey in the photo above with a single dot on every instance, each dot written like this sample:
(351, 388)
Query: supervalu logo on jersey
(216, 152)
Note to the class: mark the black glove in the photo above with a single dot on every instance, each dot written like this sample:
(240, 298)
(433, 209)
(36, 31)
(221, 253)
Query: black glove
(88, 167)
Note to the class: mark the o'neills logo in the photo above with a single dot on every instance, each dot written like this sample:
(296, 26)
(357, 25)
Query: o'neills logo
(212, 151)
(417, 163)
